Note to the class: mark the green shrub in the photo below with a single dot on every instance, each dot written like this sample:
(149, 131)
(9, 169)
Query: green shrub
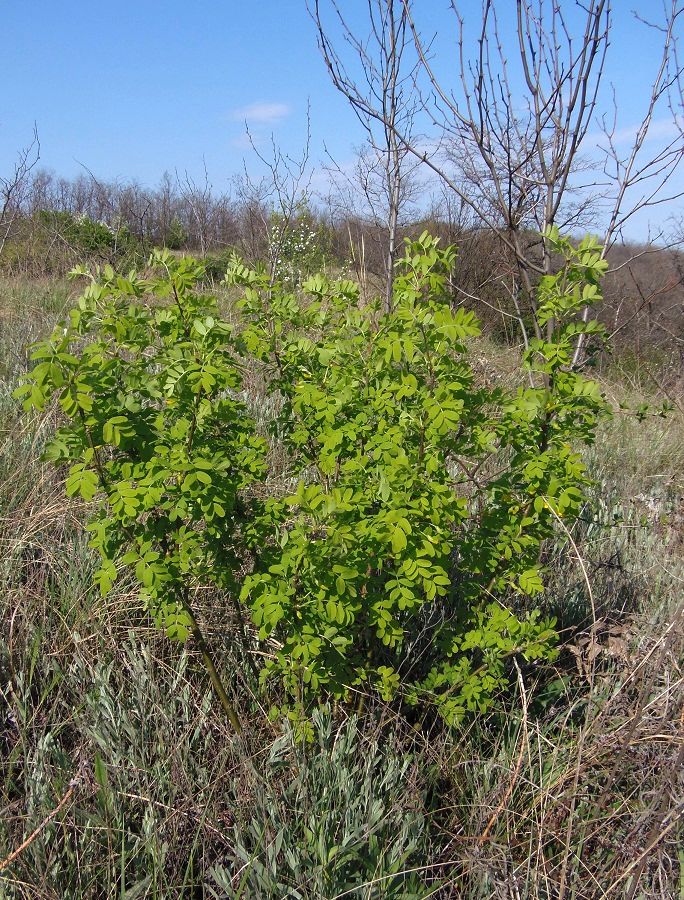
(88, 238)
(215, 264)
(155, 432)
(82, 233)
(395, 536)
(176, 236)
(401, 562)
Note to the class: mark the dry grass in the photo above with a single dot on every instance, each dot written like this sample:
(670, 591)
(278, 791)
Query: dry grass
(573, 790)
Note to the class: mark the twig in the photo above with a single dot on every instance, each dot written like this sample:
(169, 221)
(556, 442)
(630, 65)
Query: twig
(518, 764)
(73, 784)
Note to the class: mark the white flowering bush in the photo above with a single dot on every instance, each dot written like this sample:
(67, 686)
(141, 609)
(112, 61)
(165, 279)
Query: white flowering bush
(296, 249)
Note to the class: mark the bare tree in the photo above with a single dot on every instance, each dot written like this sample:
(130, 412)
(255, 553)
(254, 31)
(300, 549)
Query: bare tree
(167, 209)
(13, 187)
(381, 207)
(386, 85)
(516, 146)
(284, 189)
(198, 198)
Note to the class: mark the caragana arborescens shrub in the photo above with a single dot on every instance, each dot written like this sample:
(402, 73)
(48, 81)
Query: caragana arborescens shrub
(400, 562)
(424, 497)
(145, 374)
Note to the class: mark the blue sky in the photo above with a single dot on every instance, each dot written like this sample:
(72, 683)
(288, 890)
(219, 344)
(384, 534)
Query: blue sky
(130, 89)
(134, 88)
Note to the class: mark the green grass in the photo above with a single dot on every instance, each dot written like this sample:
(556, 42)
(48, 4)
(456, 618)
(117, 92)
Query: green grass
(573, 789)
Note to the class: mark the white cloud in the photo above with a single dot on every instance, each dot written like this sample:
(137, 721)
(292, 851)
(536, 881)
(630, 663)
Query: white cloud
(262, 113)
(665, 129)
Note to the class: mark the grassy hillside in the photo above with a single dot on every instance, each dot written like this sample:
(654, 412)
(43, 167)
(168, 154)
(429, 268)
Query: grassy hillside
(119, 777)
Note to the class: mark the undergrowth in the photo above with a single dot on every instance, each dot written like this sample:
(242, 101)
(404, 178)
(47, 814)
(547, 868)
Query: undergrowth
(119, 776)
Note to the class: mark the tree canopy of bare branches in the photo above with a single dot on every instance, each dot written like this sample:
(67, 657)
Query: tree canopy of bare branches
(513, 124)
(14, 186)
(385, 168)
